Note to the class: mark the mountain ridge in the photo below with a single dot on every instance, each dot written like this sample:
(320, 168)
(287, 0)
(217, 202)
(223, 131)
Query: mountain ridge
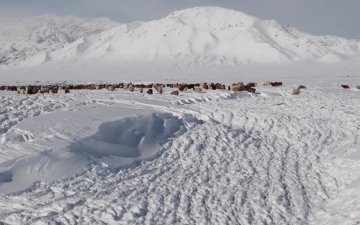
(200, 35)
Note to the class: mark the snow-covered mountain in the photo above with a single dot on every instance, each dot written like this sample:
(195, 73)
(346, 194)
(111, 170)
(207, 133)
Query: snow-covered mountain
(32, 41)
(202, 35)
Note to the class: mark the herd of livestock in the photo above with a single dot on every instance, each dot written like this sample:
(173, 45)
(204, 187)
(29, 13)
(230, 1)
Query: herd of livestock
(148, 88)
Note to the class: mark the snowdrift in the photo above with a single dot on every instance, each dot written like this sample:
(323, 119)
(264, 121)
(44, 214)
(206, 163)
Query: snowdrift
(116, 144)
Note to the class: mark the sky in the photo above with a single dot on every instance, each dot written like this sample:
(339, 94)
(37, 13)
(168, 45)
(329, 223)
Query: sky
(320, 17)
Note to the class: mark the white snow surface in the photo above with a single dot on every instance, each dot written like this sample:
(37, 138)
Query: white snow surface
(57, 48)
(99, 157)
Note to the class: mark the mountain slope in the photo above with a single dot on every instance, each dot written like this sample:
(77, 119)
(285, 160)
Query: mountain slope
(202, 35)
(24, 40)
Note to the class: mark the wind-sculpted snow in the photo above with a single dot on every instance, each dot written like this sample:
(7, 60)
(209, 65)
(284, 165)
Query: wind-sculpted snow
(272, 158)
(16, 108)
(116, 143)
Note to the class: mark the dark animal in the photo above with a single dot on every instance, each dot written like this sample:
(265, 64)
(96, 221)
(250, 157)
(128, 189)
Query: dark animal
(276, 84)
(31, 90)
(251, 84)
(54, 90)
(250, 89)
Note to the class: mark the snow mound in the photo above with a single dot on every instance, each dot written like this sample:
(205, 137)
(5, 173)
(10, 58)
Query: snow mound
(116, 144)
(129, 138)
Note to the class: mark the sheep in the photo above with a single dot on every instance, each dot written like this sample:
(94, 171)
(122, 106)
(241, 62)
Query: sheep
(20, 90)
(213, 86)
(220, 86)
(91, 87)
(140, 86)
(175, 93)
(296, 91)
(238, 87)
(183, 88)
(159, 88)
(54, 90)
(127, 85)
(111, 88)
(131, 88)
(250, 89)
(267, 83)
(10, 88)
(44, 90)
(66, 89)
(241, 87)
(204, 86)
(198, 89)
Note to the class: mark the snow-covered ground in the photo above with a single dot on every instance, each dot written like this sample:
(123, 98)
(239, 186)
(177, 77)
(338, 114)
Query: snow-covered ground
(99, 157)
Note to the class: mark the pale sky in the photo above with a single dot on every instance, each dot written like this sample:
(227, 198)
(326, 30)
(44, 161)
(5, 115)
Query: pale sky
(334, 17)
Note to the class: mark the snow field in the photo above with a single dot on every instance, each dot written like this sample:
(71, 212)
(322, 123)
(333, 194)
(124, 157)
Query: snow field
(246, 159)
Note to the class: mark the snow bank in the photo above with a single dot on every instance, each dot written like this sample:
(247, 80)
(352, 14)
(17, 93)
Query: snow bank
(116, 144)
(131, 138)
